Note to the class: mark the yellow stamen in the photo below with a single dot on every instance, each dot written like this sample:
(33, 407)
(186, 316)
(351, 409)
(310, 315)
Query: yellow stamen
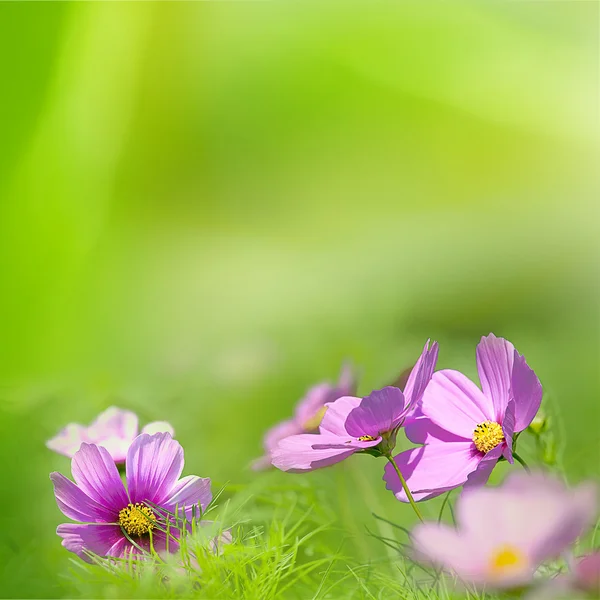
(366, 438)
(487, 435)
(136, 519)
(506, 559)
(313, 423)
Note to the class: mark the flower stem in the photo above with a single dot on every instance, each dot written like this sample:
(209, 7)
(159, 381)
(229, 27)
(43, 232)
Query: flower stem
(521, 462)
(405, 487)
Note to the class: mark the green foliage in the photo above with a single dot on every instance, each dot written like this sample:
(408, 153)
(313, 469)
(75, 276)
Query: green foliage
(281, 546)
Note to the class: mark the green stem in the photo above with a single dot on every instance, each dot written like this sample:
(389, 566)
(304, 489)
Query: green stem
(405, 488)
(521, 462)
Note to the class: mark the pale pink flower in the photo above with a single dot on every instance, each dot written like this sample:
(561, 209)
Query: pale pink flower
(307, 415)
(504, 534)
(114, 429)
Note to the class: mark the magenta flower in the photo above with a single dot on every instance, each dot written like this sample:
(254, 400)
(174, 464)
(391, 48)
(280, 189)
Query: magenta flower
(466, 429)
(503, 534)
(112, 515)
(114, 429)
(352, 424)
(308, 414)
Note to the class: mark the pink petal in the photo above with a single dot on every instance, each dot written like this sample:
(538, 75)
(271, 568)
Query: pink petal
(532, 513)
(336, 414)
(188, 492)
(114, 429)
(114, 422)
(159, 427)
(347, 382)
(587, 573)
(68, 440)
(508, 429)
(272, 438)
(444, 546)
(99, 539)
(526, 391)
(579, 512)
(95, 473)
(468, 558)
(280, 431)
(327, 441)
(120, 548)
(485, 467)
(381, 411)
(313, 401)
(455, 403)
(76, 505)
(494, 365)
(422, 430)
(296, 453)
(421, 374)
(433, 469)
(154, 464)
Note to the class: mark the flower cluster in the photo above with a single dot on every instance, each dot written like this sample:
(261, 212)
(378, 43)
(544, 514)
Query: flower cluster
(459, 432)
(464, 430)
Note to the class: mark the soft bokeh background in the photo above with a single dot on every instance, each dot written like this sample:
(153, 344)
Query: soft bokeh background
(207, 207)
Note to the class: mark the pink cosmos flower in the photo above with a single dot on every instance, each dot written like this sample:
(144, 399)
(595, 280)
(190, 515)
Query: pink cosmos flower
(466, 429)
(114, 429)
(503, 534)
(352, 424)
(585, 573)
(113, 515)
(308, 414)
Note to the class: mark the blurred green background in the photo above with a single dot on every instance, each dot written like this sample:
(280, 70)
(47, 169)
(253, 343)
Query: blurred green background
(207, 207)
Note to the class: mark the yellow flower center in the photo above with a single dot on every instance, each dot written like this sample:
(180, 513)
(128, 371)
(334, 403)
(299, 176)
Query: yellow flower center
(136, 519)
(313, 423)
(366, 438)
(506, 559)
(487, 435)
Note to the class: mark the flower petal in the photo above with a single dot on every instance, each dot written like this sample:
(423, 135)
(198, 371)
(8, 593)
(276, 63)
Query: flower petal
(189, 492)
(422, 430)
(494, 365)
(527, 392)
(296, 453)
(76, 505)
(95, 473)
(272, 438)
(421, 374)
(485, 467)
(347, 382)
(154, 464)
(159, 427)
(99, 539)
(114, 429)
(336, 414)
(508, 429)
(579, 512)
(455, 403)
(330, 441)
(380, 411)
(534, 513)
(433, 469)
(280, 431)
(314, 400)
(68, 440)
(443, 545)
(114, 422)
